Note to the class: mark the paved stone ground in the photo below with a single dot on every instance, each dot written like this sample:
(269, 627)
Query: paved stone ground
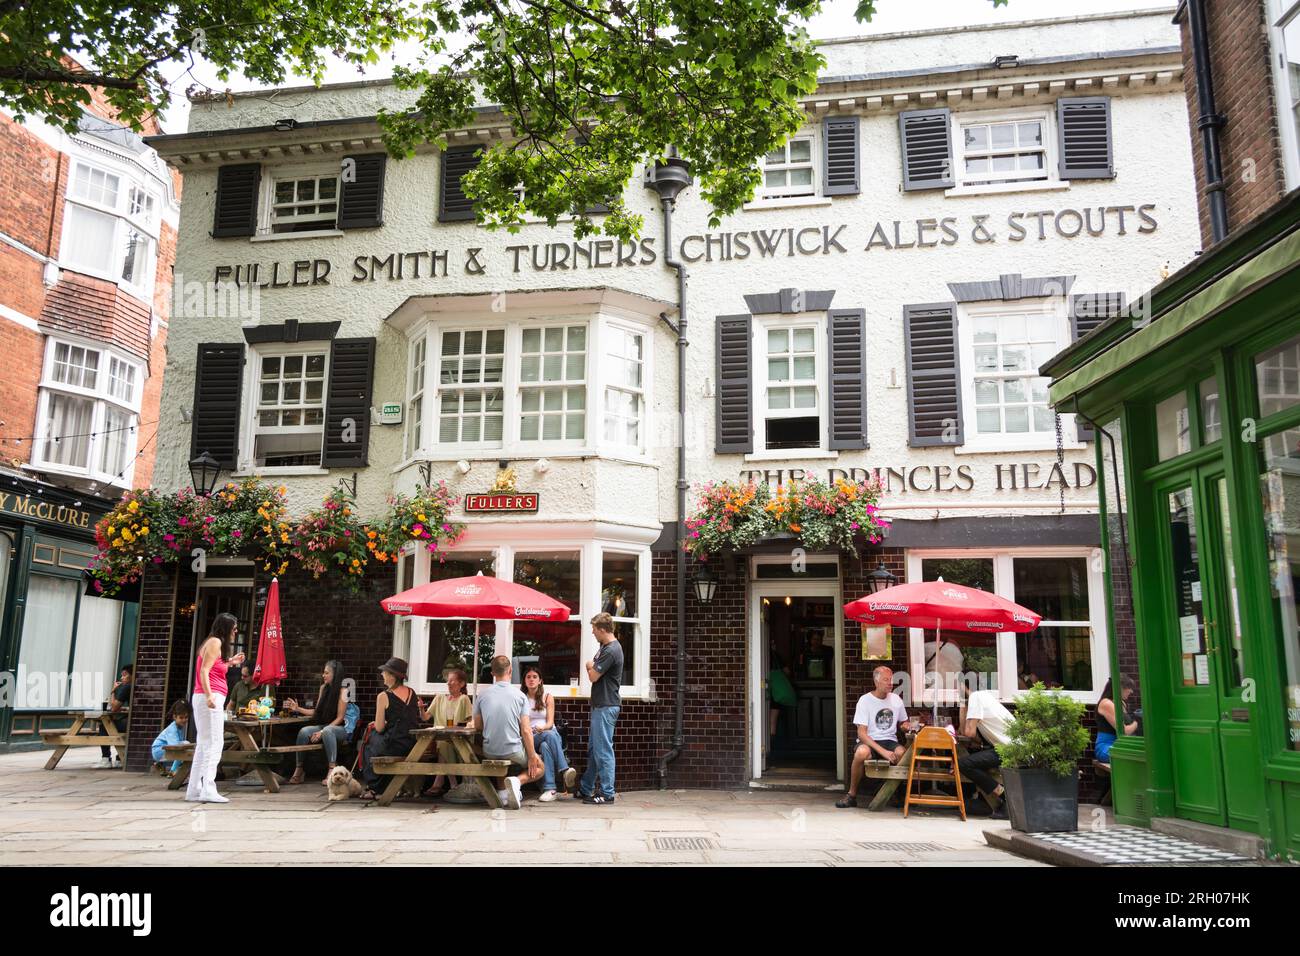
(81, 816)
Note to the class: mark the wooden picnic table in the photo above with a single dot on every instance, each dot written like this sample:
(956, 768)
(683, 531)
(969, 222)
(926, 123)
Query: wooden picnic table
(462, 740)
(895, 775)
(245, 750)
(104, 734)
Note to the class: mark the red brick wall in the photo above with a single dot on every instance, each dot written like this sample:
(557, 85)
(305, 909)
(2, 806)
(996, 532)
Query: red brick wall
(1244, 94)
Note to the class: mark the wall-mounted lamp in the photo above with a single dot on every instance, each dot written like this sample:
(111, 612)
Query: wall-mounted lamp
(880, 579)
(706, 583)
(543, 466)
(1006, 62)
(463, 466)
(286, 125)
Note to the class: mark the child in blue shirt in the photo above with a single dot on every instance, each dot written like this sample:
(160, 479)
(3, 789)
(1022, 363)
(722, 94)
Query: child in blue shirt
(173, 734)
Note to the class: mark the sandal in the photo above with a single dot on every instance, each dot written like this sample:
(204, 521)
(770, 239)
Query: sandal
(299, 776)
(369, 794)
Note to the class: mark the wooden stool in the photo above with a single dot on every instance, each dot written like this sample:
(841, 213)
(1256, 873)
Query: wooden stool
(934, 739)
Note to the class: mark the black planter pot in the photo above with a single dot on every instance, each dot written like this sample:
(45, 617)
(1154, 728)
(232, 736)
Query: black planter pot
(1038, 801)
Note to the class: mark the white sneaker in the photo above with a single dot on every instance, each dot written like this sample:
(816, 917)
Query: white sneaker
(105, 763)
(212, 796)
(547, 797)
(503, 797)
(514, 793)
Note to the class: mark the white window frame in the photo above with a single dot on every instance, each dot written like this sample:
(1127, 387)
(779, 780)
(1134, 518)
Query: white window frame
(980, 182)
(124, 220)
(598, 370)
(271, 174)
(519, 386)
(413, 433)
(1280, 14)
(765, 193)
(252, 390)
(504, 541)
(1004, 586)
(427, 447)
(433, 362)
(758, 385)
(1027, 441)
(102, 398)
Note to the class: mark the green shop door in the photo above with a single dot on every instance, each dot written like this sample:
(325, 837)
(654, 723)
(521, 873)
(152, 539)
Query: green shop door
(1217, 776)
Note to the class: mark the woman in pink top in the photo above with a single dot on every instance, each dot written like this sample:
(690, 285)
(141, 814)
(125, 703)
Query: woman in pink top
(208, 707)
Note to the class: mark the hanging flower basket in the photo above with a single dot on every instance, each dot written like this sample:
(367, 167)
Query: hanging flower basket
(425, 519)
(332, 540)
(732, 517)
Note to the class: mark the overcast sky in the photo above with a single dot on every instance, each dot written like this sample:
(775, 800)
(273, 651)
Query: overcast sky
(836, 20)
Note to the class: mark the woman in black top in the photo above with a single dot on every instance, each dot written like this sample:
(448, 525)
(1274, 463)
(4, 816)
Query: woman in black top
(398, 711)
(1107, 717)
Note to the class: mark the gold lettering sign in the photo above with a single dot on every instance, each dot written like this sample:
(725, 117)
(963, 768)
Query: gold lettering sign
(28, 507)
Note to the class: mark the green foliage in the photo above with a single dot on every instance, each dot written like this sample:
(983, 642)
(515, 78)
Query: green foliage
(1046, 734)
(592, 87)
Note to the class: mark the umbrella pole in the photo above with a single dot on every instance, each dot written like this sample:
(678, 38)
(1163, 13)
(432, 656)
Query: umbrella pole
(475, 657)
(936, 674)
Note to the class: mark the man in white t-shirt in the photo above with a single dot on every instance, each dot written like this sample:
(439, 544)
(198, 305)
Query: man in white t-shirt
(880, 719)
(983, 718)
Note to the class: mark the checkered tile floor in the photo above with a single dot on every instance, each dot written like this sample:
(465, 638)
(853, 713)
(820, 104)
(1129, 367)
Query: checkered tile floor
(1134, 846)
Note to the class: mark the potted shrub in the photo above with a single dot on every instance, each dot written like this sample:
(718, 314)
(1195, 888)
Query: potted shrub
(1039, 765)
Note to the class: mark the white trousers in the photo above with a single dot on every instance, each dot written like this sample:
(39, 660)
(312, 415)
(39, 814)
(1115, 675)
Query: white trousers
(209, 738)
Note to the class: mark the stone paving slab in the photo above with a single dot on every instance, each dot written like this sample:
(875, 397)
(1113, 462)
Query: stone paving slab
(79, 816)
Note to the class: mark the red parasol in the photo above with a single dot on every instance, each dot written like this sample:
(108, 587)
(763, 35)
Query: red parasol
(942, 606)
(476, 598)
(270, 667)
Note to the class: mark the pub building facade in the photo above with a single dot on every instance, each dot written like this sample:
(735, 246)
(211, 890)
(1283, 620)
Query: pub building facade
(957, 209)
(88, 223)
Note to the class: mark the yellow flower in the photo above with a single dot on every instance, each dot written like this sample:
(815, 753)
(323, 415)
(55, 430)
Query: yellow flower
(117, 542)
(144, 530)
(421, 518)
(133, 506)
(356, 563)
(111, 531)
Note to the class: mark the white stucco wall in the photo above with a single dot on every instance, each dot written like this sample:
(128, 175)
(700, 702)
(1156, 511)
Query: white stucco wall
(1152, 158)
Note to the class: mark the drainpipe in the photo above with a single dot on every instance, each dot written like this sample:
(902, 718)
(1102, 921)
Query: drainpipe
(1209, 122)
(668, 179)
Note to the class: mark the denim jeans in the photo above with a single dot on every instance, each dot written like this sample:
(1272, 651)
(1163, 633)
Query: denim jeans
(330, 738)
(550, 748)
(977, 765)
(120, 723)
(600, 752)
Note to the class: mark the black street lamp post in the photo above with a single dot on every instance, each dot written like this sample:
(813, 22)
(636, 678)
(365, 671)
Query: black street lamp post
(203, 473)
(881, 578)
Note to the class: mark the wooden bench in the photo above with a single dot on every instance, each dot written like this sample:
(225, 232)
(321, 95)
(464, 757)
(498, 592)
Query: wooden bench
(105, 734)
(401, 769)
(895, 775)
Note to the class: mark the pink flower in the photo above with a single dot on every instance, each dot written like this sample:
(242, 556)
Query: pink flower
(417, 529)
(169, 537)
(158, 559)
(237, 533)
(853, 525)
(184, 522)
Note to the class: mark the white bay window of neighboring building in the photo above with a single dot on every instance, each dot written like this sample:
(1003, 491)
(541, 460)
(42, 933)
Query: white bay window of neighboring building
(531, 387)
(110, 227)
(1003, 344)
(589, 574)
(1284, 16)
(1068, 650)
(88, 412)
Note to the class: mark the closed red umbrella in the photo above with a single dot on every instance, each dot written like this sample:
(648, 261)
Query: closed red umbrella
(476, 598)
(942, 606)
(270, 667)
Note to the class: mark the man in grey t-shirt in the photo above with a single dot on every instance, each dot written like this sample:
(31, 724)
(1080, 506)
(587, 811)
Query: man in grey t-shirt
(605, 671)
(501, 715)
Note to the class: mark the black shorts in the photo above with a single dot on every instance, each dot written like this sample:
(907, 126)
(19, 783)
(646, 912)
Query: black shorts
(890, 745)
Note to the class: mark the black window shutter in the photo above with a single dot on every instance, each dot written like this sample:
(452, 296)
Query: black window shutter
(735, 404)
(218, 381)
(361, 201)
(926, 141)
(1083, 138)
(848, 378)
(933, 375)
(352, 372)
(453, 204)
(237, 188)
(1086, 313)
(840, 156)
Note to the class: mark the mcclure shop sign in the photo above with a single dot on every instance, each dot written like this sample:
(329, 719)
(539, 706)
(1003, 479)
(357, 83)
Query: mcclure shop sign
(811, 240)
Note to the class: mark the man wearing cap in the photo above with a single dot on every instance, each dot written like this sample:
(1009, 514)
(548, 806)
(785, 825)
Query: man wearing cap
(501, 715)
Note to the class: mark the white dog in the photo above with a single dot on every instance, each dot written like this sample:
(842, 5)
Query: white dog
(341, 785)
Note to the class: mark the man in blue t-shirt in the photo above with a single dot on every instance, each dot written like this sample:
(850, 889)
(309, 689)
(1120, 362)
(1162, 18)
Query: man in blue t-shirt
(605, 671)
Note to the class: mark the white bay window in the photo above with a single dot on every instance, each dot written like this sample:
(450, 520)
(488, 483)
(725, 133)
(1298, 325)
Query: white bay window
(110, 227)
(88, 412)
(529, 387)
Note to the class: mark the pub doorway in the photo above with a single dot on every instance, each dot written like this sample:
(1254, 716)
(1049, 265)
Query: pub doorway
(797, 693)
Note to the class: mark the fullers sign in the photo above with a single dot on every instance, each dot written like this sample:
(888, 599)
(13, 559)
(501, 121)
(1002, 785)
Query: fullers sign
(502, 501)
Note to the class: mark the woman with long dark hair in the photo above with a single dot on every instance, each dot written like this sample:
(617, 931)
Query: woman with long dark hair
(208, 707)
(398, 711)
(546, 739)
(330, 715)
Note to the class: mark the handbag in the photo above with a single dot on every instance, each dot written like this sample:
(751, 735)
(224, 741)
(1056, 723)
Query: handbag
(780, 689)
